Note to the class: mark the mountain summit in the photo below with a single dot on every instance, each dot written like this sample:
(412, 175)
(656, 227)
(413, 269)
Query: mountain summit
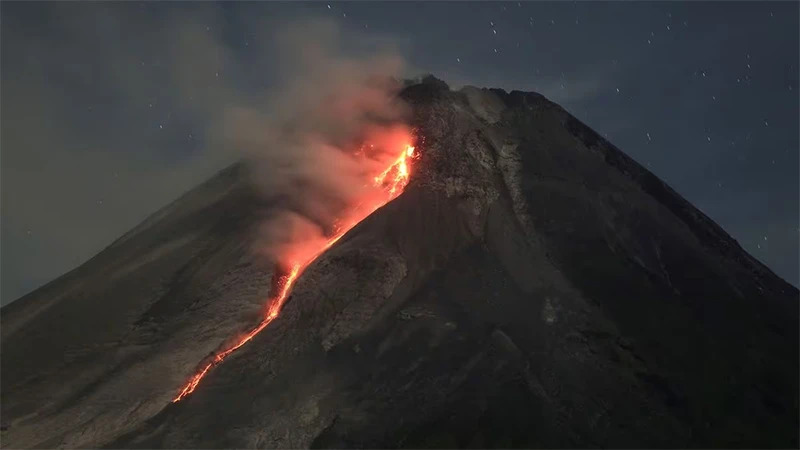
(532, 287)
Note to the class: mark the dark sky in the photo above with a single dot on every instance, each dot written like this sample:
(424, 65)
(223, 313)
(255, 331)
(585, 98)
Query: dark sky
(105, 105)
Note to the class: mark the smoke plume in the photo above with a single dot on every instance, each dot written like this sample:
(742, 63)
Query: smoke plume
(316, 142)
(111, 110)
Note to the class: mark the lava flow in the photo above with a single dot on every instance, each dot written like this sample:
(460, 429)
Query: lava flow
(391, 183)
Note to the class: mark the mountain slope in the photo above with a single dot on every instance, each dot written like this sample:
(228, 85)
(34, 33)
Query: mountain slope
(533, 286)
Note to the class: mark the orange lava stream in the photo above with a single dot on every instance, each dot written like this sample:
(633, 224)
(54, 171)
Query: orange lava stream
(392, 180)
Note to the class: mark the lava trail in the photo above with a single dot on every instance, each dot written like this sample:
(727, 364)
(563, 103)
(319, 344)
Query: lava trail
(391, 183)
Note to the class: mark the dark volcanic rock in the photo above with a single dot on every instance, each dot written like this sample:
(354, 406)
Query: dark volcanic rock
(533, 287)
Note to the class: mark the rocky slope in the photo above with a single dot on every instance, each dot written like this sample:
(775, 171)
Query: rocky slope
(532, 287)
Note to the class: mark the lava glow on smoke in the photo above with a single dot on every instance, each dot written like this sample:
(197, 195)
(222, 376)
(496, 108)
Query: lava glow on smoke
(388, 184)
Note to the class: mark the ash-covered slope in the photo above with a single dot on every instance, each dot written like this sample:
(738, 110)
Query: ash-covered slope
(532, 287)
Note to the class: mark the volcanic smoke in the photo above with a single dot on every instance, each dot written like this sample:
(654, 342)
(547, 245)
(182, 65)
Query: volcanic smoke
(388, 184)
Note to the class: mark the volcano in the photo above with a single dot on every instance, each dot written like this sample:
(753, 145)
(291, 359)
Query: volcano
(532, 286)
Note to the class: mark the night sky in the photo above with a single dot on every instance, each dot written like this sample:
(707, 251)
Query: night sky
(105, 105)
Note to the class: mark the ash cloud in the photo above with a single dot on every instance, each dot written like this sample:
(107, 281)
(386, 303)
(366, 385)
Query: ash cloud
(317, 140)
(112, 110)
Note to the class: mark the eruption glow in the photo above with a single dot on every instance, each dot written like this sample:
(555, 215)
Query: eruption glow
(388, 184)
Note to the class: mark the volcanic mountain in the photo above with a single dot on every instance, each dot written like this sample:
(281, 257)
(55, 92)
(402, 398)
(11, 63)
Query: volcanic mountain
(531, 287)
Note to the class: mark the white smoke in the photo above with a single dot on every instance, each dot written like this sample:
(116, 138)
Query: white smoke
(303, 140)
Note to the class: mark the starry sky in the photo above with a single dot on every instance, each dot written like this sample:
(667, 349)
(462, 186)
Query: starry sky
(105, 105)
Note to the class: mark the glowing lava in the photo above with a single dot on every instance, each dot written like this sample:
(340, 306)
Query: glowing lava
(400, 167)
(391, 183)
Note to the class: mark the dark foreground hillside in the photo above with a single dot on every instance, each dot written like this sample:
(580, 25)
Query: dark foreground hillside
(532, 287)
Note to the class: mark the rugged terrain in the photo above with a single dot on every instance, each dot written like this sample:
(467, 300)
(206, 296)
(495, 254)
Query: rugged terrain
(532, 287)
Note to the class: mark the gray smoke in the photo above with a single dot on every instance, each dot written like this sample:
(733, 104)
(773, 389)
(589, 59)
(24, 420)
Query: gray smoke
(124, 106)
(303, 139)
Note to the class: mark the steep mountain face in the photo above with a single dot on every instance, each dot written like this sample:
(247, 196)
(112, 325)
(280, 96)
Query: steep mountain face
(532, 287)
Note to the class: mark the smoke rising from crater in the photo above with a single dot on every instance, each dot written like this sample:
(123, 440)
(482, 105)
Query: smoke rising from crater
(316, 142)
(125, 106)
